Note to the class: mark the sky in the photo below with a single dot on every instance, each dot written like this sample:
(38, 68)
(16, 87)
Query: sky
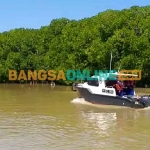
(37, 13)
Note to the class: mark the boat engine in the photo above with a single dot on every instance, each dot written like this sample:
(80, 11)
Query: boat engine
(144, 100)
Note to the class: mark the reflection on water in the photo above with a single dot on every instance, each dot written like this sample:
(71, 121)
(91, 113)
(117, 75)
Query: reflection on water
(123, 128)
(42, 118)
(102, 123)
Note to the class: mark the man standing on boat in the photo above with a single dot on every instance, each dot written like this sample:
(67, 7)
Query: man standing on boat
(130, 88)
(119, 88)
(120, 84)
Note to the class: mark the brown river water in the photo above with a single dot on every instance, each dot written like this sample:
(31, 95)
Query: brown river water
(41, 117)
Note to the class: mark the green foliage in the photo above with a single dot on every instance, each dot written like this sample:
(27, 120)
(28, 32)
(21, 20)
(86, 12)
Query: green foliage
(85, 44)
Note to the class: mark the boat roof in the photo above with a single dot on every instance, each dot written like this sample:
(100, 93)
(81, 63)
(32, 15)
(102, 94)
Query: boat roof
(112, 76)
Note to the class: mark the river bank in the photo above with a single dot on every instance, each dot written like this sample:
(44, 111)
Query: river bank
(56, 84)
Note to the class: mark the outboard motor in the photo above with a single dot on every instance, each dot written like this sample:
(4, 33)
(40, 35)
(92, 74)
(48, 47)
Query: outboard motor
(145, 100)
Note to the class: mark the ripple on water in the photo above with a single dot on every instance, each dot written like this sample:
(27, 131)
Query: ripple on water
(41, 132)
(82, 129)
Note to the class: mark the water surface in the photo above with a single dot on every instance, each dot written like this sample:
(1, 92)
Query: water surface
(43, 118)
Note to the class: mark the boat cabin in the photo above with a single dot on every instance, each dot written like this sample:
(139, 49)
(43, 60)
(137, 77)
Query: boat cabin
(121, 87)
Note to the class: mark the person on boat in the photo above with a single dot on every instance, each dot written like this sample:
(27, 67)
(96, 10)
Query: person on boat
(119, 88)
(129, 88)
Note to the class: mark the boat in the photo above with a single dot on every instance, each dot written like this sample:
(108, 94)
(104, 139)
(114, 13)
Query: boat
(52, 83)
(74, 86)
(101, 91)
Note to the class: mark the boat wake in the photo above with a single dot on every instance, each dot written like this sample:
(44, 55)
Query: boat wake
(146, 108)
(80, 101)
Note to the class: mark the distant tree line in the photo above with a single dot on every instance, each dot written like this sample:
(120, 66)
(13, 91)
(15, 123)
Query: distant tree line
(84, 44)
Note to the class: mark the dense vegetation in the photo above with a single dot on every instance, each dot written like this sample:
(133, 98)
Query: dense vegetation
(84, 44)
